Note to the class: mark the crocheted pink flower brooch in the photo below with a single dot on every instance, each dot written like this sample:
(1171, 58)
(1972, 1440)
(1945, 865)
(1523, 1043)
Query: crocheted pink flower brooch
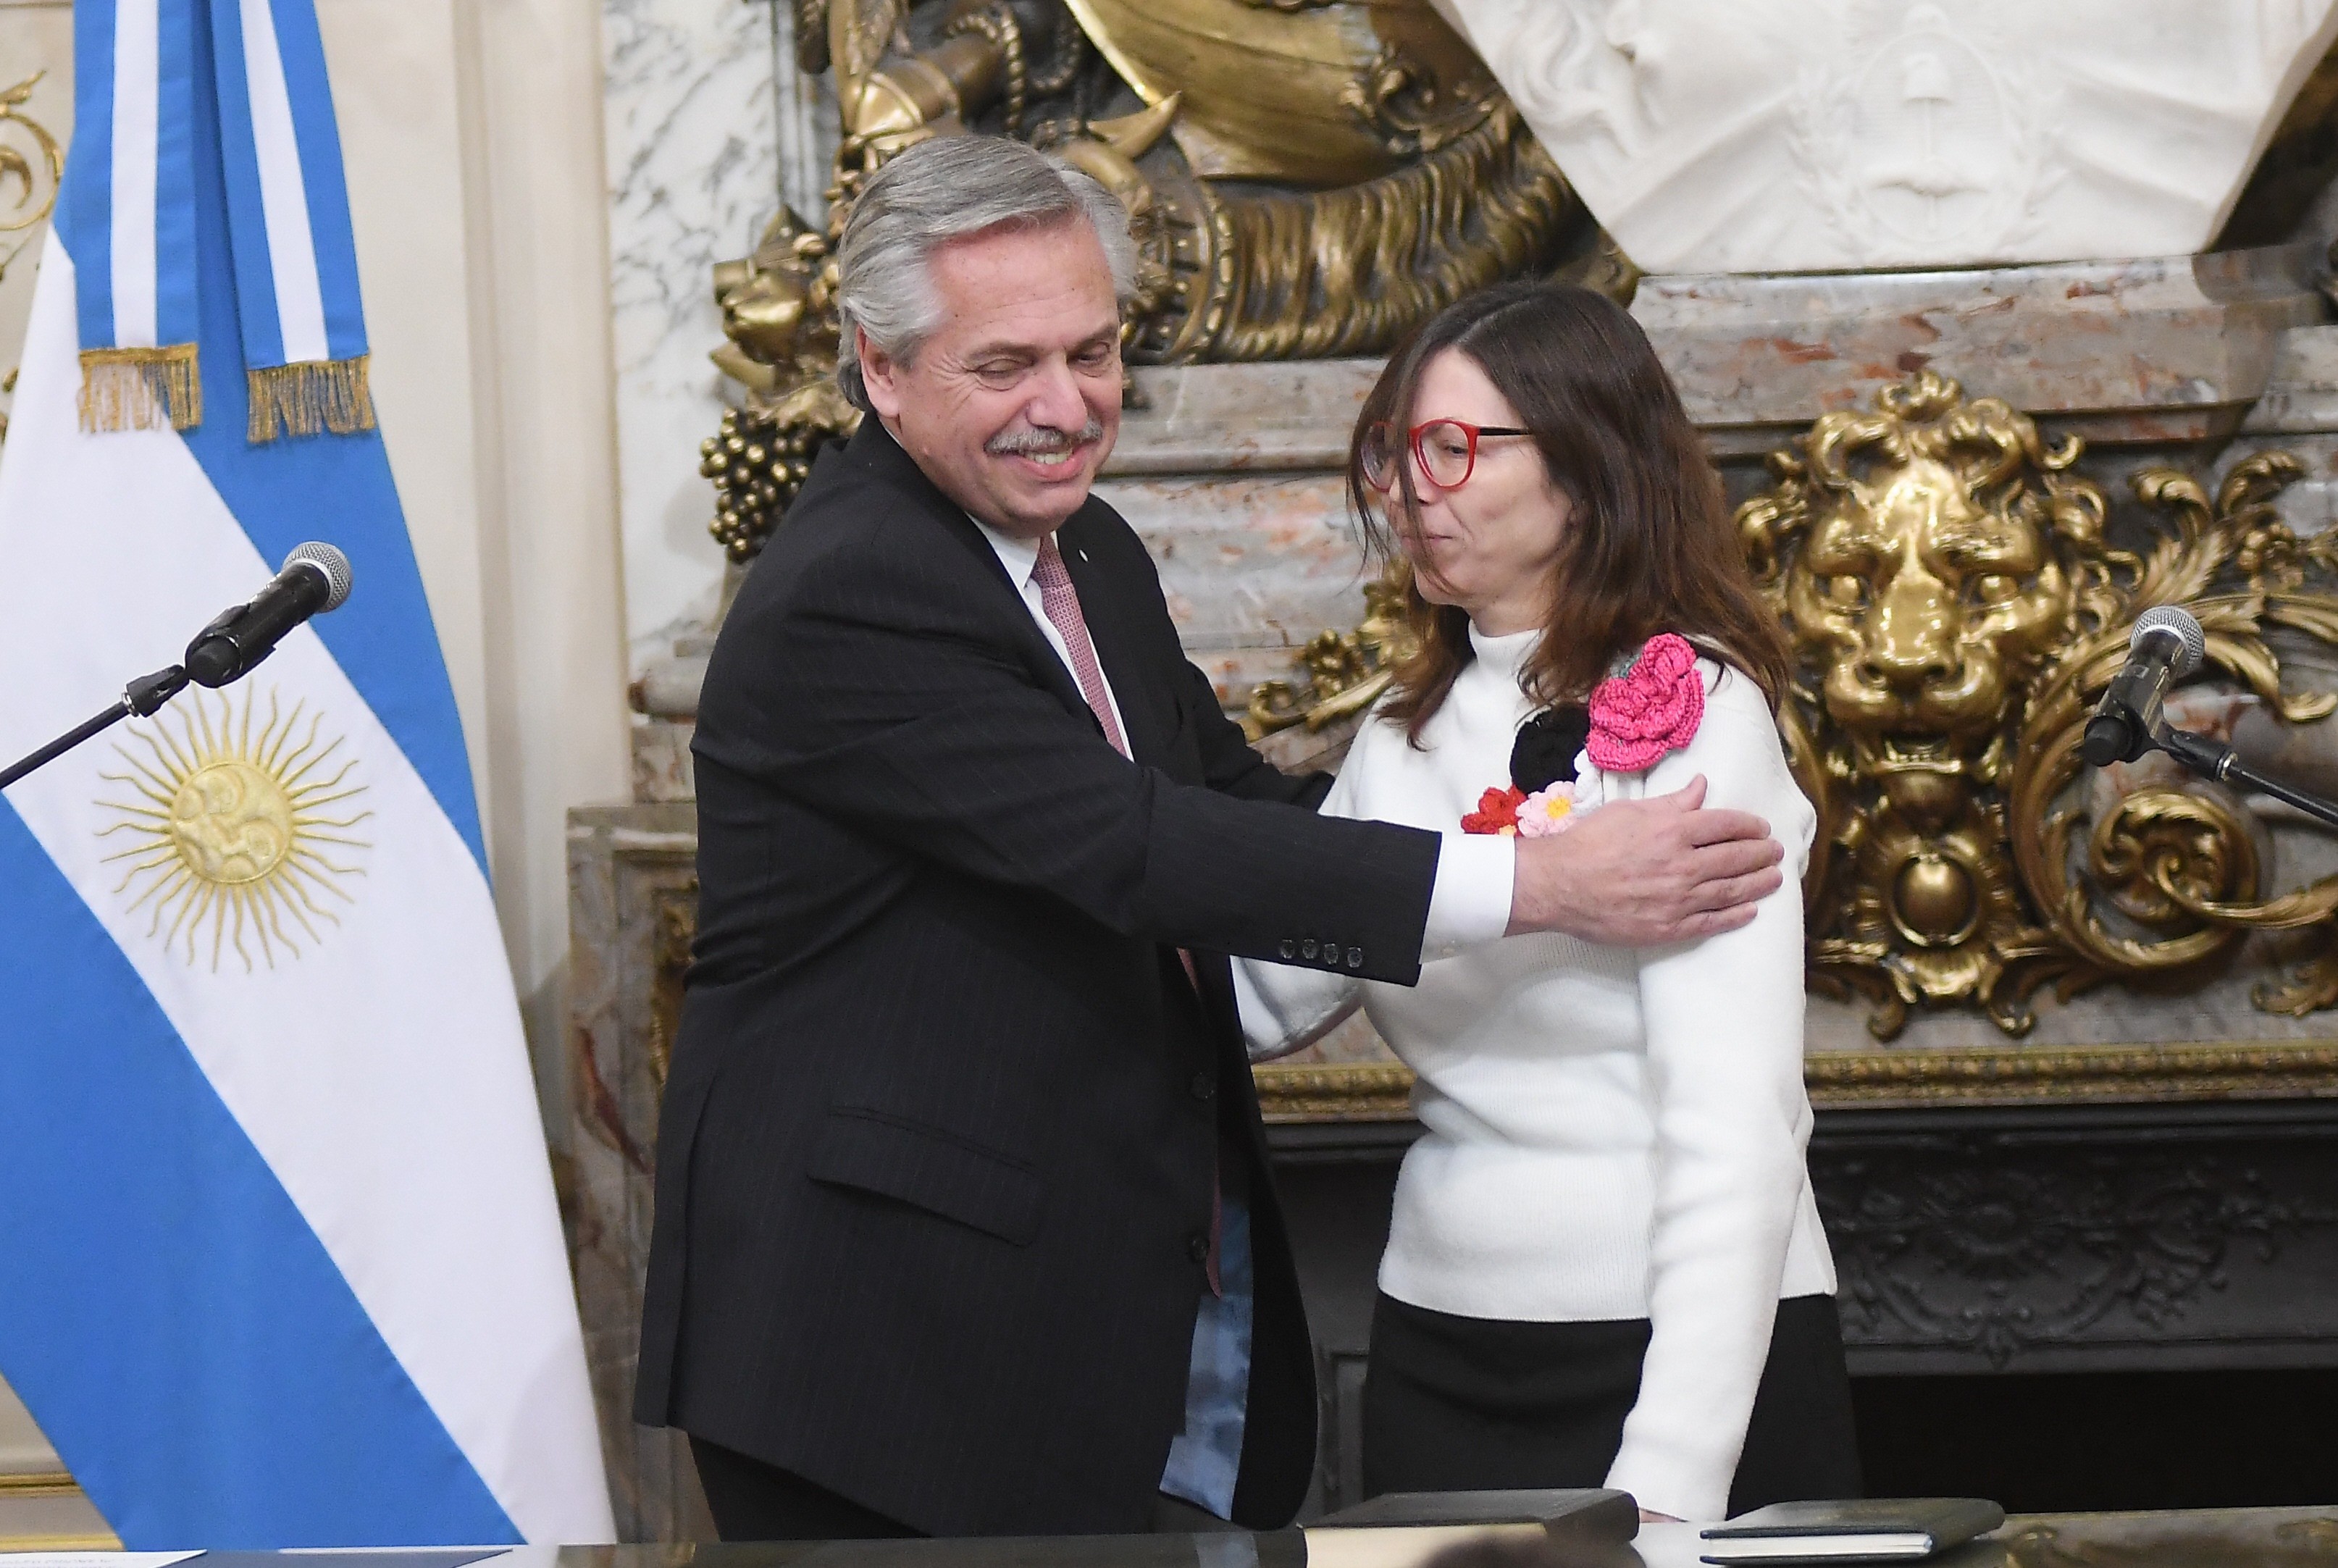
(1653, 708)
(1548, 811)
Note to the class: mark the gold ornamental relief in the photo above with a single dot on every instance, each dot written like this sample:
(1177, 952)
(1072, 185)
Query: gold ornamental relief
(1271, 90)
(1346, 671)
(30, 159)
(1957, 608)
(31, 163)
(238, 819)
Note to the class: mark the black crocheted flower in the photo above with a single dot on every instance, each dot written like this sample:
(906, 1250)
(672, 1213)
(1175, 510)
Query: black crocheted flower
(1548, 745)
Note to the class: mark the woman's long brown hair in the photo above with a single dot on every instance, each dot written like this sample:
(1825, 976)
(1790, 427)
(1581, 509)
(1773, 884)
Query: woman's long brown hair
(1648, 547)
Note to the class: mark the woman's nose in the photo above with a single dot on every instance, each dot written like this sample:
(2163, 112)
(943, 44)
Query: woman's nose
(1429, 509)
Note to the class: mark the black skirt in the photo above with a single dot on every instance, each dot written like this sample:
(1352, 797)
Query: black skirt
(1465, 1404)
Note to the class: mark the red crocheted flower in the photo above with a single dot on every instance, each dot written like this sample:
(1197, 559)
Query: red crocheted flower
(1496, 812)
(1652, 709)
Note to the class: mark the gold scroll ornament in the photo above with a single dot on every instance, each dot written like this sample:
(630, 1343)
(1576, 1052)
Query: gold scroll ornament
(34, 167)
(1346, 671)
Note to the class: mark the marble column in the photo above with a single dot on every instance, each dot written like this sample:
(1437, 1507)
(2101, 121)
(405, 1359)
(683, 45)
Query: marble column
(710, 127)
(805, 115)
(706, 130)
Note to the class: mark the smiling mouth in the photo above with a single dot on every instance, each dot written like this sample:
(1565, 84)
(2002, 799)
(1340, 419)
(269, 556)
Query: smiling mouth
(1047, 449)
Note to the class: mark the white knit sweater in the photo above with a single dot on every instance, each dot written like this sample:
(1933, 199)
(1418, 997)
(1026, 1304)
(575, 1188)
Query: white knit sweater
(1608, 1132)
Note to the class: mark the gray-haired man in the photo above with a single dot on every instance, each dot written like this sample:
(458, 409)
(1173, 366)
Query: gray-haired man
(965, 1223)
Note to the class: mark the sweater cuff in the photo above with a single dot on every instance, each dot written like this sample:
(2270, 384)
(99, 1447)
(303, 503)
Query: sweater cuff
(1695, 1488)
(1469, 902)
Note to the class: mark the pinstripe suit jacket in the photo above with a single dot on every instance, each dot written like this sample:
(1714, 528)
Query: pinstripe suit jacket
(936, 1161)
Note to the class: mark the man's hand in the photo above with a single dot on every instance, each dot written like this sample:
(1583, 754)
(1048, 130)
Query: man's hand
(1640, 873)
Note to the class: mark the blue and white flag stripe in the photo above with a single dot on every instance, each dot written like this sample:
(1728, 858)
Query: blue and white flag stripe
(295, 257)
(255, 69)
(134, 184)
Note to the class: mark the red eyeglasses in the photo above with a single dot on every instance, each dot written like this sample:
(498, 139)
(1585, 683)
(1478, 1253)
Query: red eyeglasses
(1446, 449)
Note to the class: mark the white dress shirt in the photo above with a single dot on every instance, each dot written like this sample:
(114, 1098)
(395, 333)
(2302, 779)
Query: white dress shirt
(1468, 903)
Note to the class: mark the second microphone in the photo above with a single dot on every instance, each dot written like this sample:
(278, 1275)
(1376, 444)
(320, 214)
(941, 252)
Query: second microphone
(2165, 647)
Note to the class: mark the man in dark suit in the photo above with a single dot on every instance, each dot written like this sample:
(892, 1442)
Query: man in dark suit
(965, 1223)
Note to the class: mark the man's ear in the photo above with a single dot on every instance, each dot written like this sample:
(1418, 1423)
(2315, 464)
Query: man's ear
(878, 373)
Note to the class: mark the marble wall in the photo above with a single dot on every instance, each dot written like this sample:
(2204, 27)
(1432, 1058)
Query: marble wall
(1229, 473)
(708, 127)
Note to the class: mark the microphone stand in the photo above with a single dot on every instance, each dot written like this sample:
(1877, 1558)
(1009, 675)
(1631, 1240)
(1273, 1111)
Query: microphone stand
(142, 697)
(2212, 761)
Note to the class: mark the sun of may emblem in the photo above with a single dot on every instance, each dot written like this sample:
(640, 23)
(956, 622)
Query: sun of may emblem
(241, 827)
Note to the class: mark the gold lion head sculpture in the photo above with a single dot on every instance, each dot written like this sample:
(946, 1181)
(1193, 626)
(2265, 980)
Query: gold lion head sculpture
(1945, 552)
(1928, 559)
(1944, 578)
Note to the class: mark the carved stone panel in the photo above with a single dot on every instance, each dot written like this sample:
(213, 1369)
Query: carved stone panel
(2100, 1240)
(1971, 1242)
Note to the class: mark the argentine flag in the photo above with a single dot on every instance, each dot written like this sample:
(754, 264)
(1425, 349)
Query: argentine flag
(279, 1263)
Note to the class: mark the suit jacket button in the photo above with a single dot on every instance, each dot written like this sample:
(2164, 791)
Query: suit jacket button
(1307, 949)
(1197, 1247)
(1205, 1084)
(1355, 957)
(1288, 948)
(1330, 952)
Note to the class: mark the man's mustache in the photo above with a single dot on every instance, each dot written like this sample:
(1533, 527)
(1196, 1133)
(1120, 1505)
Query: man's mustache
(1044, 440)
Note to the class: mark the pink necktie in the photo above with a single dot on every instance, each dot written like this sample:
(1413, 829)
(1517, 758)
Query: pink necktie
(1061, 603)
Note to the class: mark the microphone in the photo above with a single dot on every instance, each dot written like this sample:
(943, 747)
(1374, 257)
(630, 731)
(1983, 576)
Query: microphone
(315, 579)
(2165, 647)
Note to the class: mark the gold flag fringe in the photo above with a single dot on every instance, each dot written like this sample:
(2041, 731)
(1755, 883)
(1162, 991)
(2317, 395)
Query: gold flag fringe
(140, 388)
(310, 399)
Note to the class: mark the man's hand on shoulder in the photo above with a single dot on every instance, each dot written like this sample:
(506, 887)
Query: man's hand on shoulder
(1642, 872)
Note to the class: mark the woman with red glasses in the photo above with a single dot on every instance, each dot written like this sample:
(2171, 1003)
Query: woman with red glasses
(1604, 1265)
